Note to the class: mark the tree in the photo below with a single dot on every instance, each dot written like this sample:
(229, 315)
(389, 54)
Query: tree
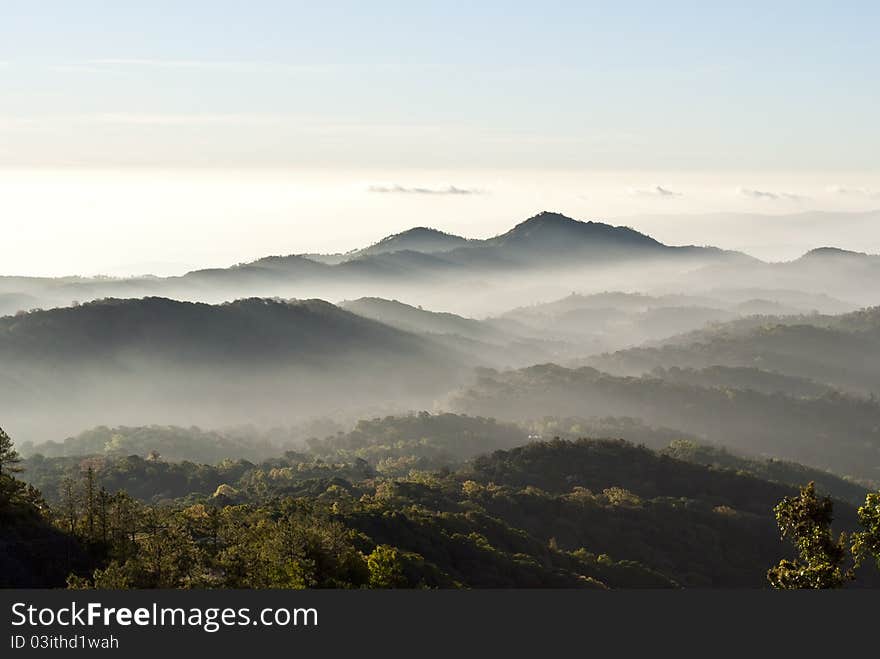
(10, 488)
(89, 501)
(805, 520)
(867, 543)
(386, 568)
(9, 457)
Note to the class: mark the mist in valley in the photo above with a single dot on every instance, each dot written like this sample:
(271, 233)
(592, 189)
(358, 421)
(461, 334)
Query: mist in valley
(555, 318)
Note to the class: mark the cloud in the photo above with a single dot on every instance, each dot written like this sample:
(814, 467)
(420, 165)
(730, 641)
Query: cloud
(853, 192)
(770, 196)
(400, 189)
(656, 191)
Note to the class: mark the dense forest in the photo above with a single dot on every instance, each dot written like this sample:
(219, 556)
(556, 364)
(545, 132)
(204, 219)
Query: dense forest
(404, 502)
(843, 351)
(677, 431)
(832, 431)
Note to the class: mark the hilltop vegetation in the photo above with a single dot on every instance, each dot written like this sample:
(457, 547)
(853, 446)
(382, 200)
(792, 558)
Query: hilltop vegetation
(843, 351)
(769, 469)
(743, 378)
(833, 431)
(590, 513)
(171, 442)
(156, 463)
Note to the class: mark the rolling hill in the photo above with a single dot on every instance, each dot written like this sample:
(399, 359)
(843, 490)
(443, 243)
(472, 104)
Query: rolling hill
(154, 360)
(487, 342)
(843, 351)
(832, 431)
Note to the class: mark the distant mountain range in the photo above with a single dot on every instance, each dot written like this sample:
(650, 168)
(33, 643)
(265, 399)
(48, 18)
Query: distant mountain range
(545, 243)
(540, 258)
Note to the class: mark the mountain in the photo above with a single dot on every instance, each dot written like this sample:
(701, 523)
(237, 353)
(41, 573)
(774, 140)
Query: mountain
(773, 470)
(486, 342)
(610, 496)
(778, 301)
(843, 351)
(544, 257)
(744, 378)
(415, 319)
(156, 360)
(265, 270)
(825, 271)
(417, 239)
(472, 274)
(834, 253)
(553, 240)
(559, 233)
(834, 432)
(611, 320)
(770, 236)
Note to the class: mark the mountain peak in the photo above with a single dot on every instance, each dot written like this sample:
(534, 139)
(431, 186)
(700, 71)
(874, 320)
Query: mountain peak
(548, 220)
(832, 253)
(418, 232)
(417, 239)
(560, 231)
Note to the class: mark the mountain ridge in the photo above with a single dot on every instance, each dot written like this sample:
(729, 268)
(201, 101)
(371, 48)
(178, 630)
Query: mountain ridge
(463, 271)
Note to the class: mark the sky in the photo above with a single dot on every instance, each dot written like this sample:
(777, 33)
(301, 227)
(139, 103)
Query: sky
(169, 135)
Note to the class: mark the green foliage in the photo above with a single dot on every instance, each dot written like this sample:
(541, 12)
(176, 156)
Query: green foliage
(9, 457)
(770, 469)
(842, 351)
(867, 543)
(386, 568)
(172, 443)
(805, 520)
(32, 551)
(746, 420)
(561, 514)
(397, 444)
(741, 377)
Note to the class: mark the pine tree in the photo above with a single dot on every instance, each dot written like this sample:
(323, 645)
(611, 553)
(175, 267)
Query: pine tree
(89, 496)
(9, 458)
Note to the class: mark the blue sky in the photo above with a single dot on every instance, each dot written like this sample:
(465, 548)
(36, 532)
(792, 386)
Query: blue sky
(129, 129)
(428, 84)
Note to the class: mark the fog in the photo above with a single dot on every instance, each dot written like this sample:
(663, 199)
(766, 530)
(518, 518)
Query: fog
(282, 340)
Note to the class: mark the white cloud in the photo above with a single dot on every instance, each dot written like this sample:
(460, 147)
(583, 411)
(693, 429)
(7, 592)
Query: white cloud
(656, 191)
(853, 192)
(400, 189)
(769, 196)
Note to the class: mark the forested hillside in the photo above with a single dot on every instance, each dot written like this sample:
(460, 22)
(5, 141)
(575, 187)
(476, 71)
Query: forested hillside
(589, 513)
(596, 419)
(832, 431)
(843, 351)
(134, 362)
